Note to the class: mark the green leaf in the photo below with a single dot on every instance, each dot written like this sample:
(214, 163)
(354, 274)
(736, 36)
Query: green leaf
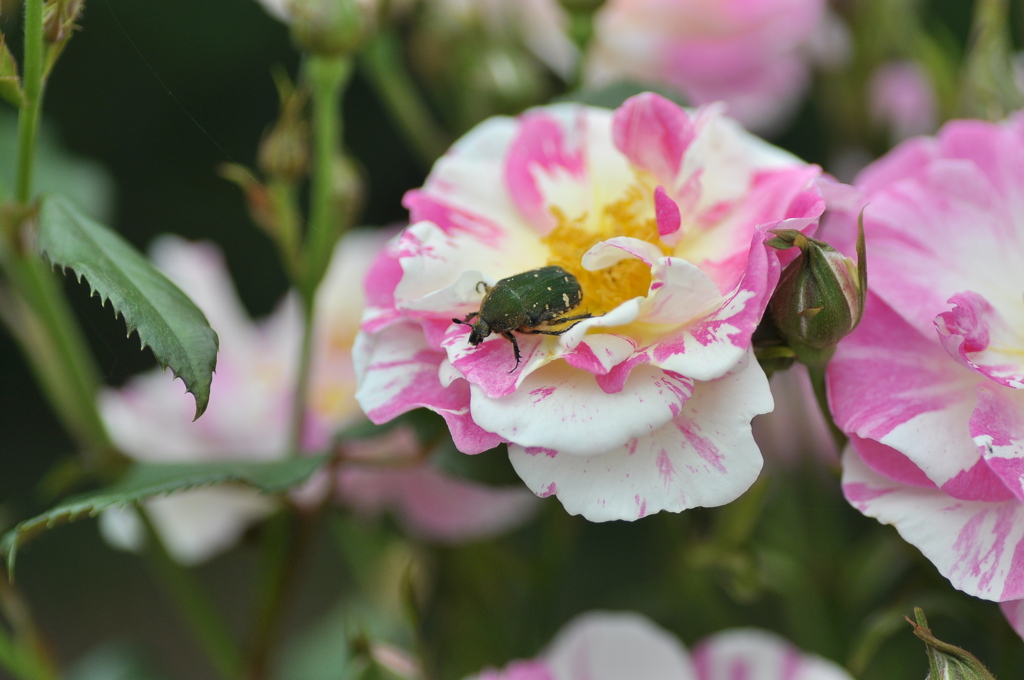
(145, 480)
(165, 318)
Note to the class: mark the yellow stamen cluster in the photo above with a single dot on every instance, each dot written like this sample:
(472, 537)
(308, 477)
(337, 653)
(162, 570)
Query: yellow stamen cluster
(603, 290)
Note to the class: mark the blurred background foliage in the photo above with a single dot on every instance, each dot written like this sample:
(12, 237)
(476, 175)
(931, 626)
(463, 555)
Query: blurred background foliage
(147, 101)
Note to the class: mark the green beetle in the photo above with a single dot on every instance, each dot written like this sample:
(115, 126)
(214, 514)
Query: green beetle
(526, 303)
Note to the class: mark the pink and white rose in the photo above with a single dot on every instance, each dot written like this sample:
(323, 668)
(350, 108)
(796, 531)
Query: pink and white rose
(661, 214)
(751, 54)
(611, 646)
(249, 418)
(929, 386)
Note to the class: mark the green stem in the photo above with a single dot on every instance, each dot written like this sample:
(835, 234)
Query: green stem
(817, 373)
(194, 605)
(284, 547)
(32, 82)
(327, 77)
(39, 317)
(384, 69)
(23, 654)
(301, 397)
(988, 87)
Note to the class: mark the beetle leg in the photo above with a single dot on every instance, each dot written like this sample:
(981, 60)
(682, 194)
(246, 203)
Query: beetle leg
(484, 284)
(515, 348)
(541, 331)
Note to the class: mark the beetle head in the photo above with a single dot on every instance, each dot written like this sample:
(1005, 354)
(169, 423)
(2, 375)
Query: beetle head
(479, 329)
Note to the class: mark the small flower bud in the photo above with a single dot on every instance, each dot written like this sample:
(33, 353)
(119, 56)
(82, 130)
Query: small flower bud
(284, 150)
(59, 17)
(946, 661)
(10, 83)
(820, 296)
(332, 27)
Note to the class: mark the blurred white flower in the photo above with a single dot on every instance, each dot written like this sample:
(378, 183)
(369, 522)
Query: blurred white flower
(249, 418)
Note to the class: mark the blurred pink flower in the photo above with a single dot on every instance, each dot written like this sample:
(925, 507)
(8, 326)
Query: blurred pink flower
(250, 410)
(929, 387)
(751, 54)
(612, 646)
(661, 215)
(902, 100)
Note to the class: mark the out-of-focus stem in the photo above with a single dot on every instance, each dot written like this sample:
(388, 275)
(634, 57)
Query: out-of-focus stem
(23, 654)
(193, 604)
(988, 88)
(39, 317)
(327, 77)
(382, 66)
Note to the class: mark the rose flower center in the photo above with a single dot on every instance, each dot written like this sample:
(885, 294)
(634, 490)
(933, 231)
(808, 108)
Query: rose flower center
(605, 289)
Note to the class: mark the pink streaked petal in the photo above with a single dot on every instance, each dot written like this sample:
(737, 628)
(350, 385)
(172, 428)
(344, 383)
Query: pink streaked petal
(1013, 610)
(976, 334)
(997, 426)
(614, 250)
(978, 546)
(667, 213)
(453, 220)
(467, 183)
(906, 160)
(714, 346)
(563, 409)
(889, 383)
(750, 653)
(432, 261)
(680, 293)
(435, 506)
(654, 134)
(890, 463)
(942, 232)
(777, 199)
(614, 646)
(383, 276)
(994, 148)
(491, 365)
(599, 353)
(547, 158)
(706, 456)
(398, 372)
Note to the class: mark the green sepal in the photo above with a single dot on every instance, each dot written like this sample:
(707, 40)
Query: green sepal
(167, 321)
(10, 82)
(146, 480)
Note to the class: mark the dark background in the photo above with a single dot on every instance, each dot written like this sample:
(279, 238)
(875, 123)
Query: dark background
(159, 94)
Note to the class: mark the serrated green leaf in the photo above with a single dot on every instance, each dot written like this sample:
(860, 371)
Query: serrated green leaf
(165, 318)
(145, 480)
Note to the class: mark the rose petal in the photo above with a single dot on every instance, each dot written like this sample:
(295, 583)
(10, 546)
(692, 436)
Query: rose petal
(749, 653)
(613, 646)
(977, 545)
(976, 334)
(563, 409)
(889, 383)
(706, 456)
